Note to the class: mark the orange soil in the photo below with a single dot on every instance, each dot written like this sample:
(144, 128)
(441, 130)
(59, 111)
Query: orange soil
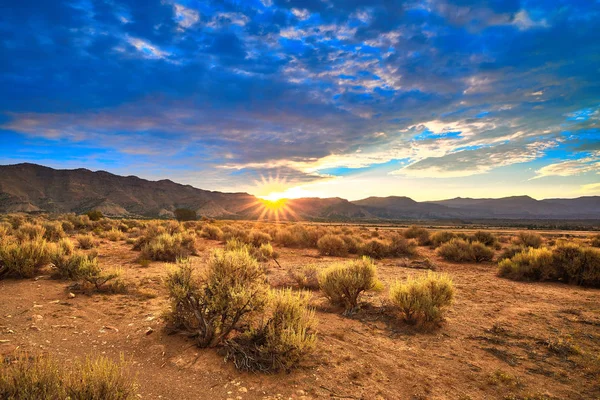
(493, 343)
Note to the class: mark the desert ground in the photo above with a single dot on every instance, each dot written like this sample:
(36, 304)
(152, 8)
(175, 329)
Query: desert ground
(500, 338)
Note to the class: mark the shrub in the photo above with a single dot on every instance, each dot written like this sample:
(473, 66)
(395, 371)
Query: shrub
(529, 239)
(510, 252)
(114, 235)
(423, 299)
(67, 226)
(487, 238)
(306, 277)
(344, 283)
(416, 232)
(595, 241)
(282, 341)
(23, 260)
(374, 248)
(332, 245)
(530, 264)
(211, 232)
(233, 232)
(54, 231)
(211, 307)
(86, 242)
(400, 247)
(69, 264)
(29, 231)
(185, 214)
(577, 264)
(94, 215)
(258, 238)
(169, 247)
(481, 252)
(460, 250)
(439, 238)
(35, 377)
(353, 244)
(263, 253)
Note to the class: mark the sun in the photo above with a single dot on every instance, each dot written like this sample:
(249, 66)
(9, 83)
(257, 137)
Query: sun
(272, 195)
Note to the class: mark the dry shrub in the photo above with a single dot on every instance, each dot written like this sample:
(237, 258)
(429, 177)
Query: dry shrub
(233, 232)
(25, 377)
(353, 243)
(114, 235)
(282, 341)
(577, 264)
(262, 253)
(299, 236)
(595, 241)
(530, 264)
(54, 231)
(343, 283)
(419, 233)
(86, 242)
(459, 250)
(29, 231)
(510, 252)
(170, 247)
(210, 307)
(23, 260)
(423, 299)
(306, 277)
(332, 245)
(67, 226)
(398, 246)
(374, 248)
(486, 238)
(529, 239)
(258, 238)
(439, 238)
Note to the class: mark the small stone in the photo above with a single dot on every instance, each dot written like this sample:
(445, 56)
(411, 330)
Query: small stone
(149, 331)
(71, 295)
(4, 341)
(34, 328)
(243, 389)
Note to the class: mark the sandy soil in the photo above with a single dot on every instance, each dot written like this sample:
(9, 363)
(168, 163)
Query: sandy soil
(501, 339)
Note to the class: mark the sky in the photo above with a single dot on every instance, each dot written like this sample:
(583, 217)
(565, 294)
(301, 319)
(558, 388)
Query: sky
(429, 99)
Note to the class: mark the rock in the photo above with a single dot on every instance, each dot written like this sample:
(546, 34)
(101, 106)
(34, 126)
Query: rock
(149, 331)
(34, 328)
(243, 389)
(110, 328)
(71, 295)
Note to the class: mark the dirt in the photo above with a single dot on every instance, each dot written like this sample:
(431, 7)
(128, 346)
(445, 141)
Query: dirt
(500, 338)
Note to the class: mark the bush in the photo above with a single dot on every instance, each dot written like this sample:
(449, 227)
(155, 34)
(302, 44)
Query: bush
(353, 244)
(332, 245)
(460, 250)
(86, 242)
(530, 264)
(35, 377)
(185, 214)
(595, 241)
(529, 239)
(210, 308)
(421, 234)
(306, 277)
(68, 263)
(374, 248)
(423, 299)
(487, 238)
(258, 238)
(400, 247)
(262, 253)
(211, 232)
(169, 247)
(577, 264)
(344, 283)
(510, 252)
(281, 342)
(29, 231)
(114, 235)
(54, 231)
(94, 215)
(439, 238)
(22, 260)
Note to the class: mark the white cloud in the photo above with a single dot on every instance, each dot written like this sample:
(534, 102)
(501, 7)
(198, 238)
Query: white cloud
(147, 49)
(185, 17)
(523, 21)
(570, 168)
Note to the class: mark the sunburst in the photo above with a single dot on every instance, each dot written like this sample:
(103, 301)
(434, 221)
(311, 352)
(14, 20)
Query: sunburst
(271, 204)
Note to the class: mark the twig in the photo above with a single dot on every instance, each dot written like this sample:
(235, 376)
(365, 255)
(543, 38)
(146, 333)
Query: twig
(341, 396)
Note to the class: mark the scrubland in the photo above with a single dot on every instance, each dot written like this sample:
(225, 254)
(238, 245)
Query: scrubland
(122, 309)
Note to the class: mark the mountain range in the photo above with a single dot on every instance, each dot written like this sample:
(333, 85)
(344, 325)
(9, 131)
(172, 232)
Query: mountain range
(35, 188)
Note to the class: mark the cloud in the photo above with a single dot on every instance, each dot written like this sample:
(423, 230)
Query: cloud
(591, 188)
(590, 164)
(185, 17)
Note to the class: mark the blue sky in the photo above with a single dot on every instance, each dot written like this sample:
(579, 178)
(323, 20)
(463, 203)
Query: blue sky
(428, 99)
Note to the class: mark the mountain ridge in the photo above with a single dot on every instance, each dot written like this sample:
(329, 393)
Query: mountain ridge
(29, 187)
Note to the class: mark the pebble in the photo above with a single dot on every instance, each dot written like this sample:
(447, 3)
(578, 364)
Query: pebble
(149, 331)
(71, 295)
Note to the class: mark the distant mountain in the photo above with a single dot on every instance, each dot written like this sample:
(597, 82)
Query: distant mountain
(34, 188)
